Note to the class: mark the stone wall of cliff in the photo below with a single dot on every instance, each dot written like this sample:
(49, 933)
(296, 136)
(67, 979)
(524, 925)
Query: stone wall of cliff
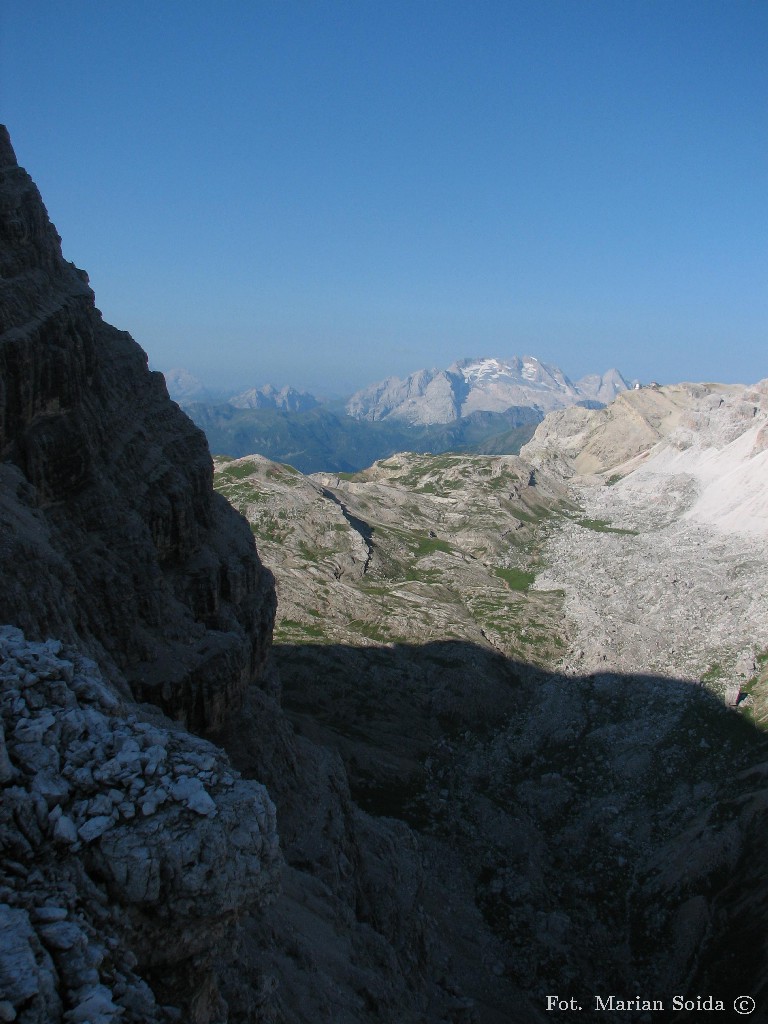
(110, 533)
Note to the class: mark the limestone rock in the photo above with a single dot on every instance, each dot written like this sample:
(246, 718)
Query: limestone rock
(155, 890)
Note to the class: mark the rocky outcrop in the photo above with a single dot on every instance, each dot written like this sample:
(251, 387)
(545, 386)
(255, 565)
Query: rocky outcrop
(705, 439)
(111, 534)
(130, 848)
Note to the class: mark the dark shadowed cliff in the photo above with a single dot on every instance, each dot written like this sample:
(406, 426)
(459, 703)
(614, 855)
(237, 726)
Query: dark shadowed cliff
(110, 533)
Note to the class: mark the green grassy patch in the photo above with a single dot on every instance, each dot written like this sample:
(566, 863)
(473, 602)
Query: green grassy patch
(240, 471)
(314, 554)
(269, 529)
(757, 688)
(370, 630)
(516, 579)
(287, 628)
(713, 673)
(531, 516)
(373, 589)
(428, 576)
(429, 545)
(240, 492)
(284, 474)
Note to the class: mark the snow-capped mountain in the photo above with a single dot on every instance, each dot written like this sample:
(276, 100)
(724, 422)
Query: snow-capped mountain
(480, 385)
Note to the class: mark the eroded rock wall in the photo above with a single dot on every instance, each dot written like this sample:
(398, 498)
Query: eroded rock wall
(110, 533)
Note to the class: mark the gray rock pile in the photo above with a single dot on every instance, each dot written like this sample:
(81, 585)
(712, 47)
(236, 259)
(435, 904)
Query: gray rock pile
(127, 845)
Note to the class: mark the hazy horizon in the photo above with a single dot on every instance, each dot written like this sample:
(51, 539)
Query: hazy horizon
(229, 383)
(326, 194)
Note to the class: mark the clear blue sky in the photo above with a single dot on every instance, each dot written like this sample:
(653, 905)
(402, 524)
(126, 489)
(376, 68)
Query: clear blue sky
(322, 192)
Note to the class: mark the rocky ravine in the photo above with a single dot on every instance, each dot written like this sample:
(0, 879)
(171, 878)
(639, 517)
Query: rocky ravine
(604, 804)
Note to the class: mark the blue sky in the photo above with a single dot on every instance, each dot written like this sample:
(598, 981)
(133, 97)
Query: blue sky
(325, 193)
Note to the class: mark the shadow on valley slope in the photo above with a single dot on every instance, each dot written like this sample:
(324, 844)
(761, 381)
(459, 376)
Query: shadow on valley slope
(610, 828)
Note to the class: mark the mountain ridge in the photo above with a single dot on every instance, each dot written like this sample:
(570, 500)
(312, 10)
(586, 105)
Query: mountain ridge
(479, 385)
(485, 406)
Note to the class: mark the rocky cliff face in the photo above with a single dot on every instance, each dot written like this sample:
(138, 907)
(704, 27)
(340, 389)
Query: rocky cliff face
(111, 534)
(129, 848)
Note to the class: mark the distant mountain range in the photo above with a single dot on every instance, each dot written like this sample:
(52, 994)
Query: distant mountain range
(287, 399)
(480, 385)
(484, 405)
(185, 388)
(321, 439)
